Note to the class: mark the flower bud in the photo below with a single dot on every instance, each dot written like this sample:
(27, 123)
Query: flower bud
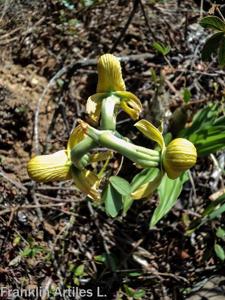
(179, 156)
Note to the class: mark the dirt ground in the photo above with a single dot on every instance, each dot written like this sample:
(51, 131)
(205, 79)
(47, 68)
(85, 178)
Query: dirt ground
(47, 71)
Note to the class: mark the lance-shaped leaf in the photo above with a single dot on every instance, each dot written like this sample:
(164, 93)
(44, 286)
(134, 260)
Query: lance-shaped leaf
(169, 190)
(213, 22)
(146, 189)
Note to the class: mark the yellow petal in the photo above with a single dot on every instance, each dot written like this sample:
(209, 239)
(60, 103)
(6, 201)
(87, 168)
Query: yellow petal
(151, 132)
(87, 182)
(76, 137)
(146, 189)
(179, 156)
(109, 74)
(130, 104)
(93, 107)
(45, 168)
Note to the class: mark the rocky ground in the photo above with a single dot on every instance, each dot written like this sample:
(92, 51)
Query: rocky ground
(50, 236)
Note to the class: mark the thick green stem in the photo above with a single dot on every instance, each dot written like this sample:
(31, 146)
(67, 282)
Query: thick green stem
(140, 155)
(79, 154)
(108, 116)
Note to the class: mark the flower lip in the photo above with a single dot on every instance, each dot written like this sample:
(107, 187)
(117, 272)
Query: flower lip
(109, 74)
(45, 168)
(179, 156)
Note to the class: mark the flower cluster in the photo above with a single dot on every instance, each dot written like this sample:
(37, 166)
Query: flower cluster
(111, 96)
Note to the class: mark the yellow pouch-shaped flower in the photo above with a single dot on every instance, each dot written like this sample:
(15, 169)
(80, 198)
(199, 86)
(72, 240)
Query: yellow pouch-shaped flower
(52, 167)
(179, 156)
(110, 77)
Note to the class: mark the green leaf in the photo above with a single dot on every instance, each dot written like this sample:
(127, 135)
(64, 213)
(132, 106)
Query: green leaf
(129, 291)
(139, 294)
(219, 252)
(207, 131)
(144, 176)
(186, 95)
(211, 45)
(26, 252)
(134, 274)
(100, 258)
(127, 202)
(213, 22)
(79, 271)
(220, 233)
(221, 57)
(112, 200)
(164, 50)
(121, 185)
(169, 190)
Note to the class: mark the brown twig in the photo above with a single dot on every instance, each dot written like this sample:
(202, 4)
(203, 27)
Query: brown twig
(146, 19)
(123, 31)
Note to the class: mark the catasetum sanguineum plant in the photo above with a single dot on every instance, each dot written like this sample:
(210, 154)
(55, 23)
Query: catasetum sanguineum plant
(103, 107)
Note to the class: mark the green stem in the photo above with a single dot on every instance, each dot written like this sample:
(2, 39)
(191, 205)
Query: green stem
(108, 116)
(140, 155)
(79, 154)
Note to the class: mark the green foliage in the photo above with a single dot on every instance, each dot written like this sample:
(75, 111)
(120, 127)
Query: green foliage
(213, 22)
(162, 49)
(220, 233)
(135, 294)
(31, 251)
(121, 185)
(214, 210)
(113, 200)
(168, 191)
(186, 95)
(207, 131)
(219, 252)
(216, 43)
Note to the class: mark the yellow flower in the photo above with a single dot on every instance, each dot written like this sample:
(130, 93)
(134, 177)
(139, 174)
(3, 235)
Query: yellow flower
(111, 83)
(58, 166)
(110, 77)
(45, 168)
(179, 156)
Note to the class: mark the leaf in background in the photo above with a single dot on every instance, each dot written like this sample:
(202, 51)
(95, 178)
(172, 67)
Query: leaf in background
(212, 211)
(207, 131)
(169, 190)
(213, 22)
(121, 185)
(164, 50)
(219, 252)
(211, 45)
(186, 95)
(112, 200)
(79, 271)
(220, 233)
(221, 57)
